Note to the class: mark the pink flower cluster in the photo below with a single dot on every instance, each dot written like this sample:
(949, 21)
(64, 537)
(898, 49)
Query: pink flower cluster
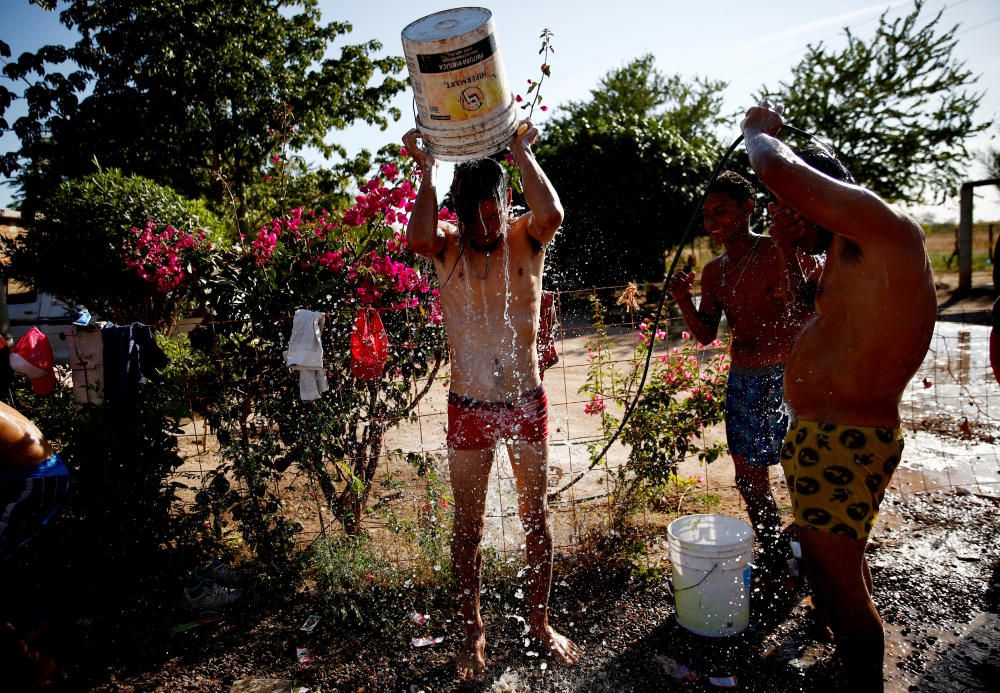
(376, 199)
(266, 243)
(595, 406)
(160, 256)
(644, 332)
(267, 240)
(332, 260)
(378, 274)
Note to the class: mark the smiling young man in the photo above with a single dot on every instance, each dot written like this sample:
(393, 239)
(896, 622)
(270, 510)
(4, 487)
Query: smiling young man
(875, 313)
(749, 283)
(489, 266)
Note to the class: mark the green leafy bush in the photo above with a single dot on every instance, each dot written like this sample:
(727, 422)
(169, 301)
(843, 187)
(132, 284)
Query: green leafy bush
(75, 247)
(683, 395)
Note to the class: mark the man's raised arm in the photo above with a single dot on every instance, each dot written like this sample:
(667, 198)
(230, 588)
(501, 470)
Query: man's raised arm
(422, 232)
(546, 211)
(842, 208)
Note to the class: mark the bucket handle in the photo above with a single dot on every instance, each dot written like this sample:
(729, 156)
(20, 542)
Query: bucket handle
(695, 584)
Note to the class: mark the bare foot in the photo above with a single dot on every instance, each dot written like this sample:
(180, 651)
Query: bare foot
(471, 662)
(820, 625)
(564, 650)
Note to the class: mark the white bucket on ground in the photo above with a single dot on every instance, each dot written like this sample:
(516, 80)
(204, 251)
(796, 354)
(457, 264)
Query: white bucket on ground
(464, 107)
(711, 556)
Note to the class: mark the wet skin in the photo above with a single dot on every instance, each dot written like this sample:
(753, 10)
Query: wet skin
(491, 306)
(875, 313)
(22, 445)
(749, 283)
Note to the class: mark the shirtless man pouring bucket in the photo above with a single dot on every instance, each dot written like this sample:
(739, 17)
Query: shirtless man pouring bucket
(490, 269)
(845, 375)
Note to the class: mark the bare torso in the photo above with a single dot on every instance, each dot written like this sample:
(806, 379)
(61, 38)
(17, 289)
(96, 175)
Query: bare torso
(875, 313)
(492, 316)
(22, 445)
(751, 291)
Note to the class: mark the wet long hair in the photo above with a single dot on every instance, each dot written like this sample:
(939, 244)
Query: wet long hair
(475, 182)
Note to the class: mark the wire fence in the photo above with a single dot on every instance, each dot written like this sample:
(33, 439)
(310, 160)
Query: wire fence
(950, 414)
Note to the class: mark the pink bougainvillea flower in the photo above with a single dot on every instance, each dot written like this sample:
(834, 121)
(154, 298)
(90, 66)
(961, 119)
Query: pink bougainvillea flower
(685, 335)
(389, 171)
(595, 406)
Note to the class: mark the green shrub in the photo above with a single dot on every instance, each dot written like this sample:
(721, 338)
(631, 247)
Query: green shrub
(75, 247)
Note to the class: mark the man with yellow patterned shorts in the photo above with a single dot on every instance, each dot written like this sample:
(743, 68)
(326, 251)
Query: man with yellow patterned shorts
(837, 475)
(845, 374)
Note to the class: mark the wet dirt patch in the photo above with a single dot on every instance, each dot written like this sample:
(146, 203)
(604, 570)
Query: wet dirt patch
(936, 566)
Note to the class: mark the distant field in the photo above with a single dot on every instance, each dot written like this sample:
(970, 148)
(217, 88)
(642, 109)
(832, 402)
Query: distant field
(941, 245)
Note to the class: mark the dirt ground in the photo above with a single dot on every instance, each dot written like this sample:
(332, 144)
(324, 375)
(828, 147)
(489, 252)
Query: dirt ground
(936, 567)
(934, 556)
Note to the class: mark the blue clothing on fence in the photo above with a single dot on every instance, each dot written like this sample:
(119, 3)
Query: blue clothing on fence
(131, 359)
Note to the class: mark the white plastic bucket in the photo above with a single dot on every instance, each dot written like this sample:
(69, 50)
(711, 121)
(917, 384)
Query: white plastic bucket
(711, 556)
(464, 107)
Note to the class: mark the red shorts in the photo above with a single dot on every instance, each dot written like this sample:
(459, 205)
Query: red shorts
(477, 425)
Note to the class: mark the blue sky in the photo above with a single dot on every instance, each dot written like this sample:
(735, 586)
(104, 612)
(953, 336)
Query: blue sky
(744, 44)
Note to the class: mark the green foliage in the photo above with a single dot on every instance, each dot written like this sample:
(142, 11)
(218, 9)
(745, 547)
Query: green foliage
(628, 166)
(186, 91)
(896, 106)
(991, 159)
(76, 245)
(690, 109)
(683, 395)
(345, 570)
(428, 530)
(652, 173)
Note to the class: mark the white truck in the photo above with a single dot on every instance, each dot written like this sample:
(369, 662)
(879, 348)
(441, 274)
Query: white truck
(23, 307)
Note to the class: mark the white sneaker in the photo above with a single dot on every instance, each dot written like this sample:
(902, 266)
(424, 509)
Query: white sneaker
(210, 595)
(219, 572)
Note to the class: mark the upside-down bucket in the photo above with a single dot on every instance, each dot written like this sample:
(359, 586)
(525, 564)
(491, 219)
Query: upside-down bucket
(711, 556)
(464, 107)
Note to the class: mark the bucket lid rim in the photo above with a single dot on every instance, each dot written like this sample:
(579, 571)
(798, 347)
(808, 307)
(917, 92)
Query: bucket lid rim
(743, 527)
(483, 12)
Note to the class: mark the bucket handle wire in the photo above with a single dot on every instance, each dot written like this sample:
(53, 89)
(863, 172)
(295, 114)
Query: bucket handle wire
(689, 587)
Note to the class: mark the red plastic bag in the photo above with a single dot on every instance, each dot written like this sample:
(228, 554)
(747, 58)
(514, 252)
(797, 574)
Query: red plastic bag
(369, 345)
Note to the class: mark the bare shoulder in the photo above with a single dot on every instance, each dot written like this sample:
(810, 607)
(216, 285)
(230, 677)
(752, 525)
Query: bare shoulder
(713, 268)
(519, 237)
(519, 226)
(875, 222)
(450, 238)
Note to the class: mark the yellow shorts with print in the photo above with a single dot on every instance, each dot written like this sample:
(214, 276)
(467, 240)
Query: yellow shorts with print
(837, 474)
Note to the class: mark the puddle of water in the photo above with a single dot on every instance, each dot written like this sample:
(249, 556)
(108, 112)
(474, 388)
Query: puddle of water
(955, 378)
(951, 410)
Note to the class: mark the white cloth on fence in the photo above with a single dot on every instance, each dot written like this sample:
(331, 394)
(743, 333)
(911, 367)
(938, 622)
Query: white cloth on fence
(305, 353)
